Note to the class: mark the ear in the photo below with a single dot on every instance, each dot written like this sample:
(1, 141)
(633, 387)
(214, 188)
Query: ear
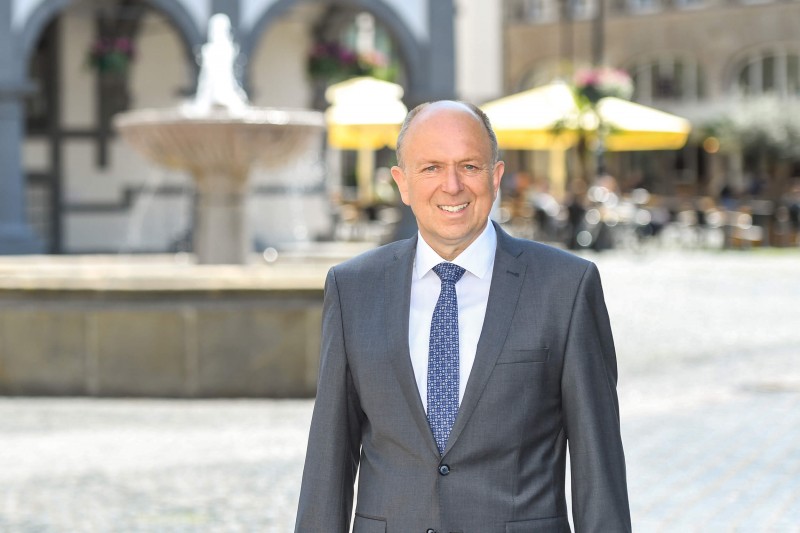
(497, 175)
(402, 183)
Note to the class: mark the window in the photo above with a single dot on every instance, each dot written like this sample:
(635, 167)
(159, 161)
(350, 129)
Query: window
(775, 72)
(582, 9)
(42, 72)
(534, 11)
(546, 11)
(667, 78)
(644, 6)
(689, 4)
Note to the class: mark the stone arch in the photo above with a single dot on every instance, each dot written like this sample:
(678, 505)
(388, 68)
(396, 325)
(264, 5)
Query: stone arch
(735, 62)
(190, 34)
(33, 28)
(412, 52)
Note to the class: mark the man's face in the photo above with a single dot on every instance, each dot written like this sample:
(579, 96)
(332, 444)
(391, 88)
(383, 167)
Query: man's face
(447, 176)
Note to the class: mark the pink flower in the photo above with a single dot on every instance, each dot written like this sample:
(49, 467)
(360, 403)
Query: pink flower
(600, 82)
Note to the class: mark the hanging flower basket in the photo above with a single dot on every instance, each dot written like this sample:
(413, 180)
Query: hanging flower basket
(331, 62)
(597, 83)
(111, 55)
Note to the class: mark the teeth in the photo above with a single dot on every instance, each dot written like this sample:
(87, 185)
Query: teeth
(453, 208)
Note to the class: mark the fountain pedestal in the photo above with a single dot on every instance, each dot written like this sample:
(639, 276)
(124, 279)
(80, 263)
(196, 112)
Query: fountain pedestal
(221, 231)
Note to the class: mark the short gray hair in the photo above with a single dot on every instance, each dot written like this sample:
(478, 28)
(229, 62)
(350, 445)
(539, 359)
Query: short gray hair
(472, 107)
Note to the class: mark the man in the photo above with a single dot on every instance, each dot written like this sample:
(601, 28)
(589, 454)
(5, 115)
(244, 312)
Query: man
(457, 365)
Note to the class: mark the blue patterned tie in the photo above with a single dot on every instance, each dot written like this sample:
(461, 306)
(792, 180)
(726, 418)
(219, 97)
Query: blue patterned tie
(443, 356)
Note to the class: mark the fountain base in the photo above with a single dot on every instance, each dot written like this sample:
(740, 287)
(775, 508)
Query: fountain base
(151, 326)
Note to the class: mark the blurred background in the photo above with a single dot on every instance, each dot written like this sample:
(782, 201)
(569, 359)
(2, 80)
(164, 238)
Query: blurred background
(144, 389)
(71, 185)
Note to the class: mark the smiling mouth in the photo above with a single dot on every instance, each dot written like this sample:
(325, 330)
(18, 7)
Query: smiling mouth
(453, 208)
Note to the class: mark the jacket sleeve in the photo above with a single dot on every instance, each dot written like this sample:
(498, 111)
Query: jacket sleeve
(591, 412)
(334, 442)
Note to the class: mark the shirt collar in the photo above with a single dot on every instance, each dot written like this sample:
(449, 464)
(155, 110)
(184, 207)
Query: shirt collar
(477, 259)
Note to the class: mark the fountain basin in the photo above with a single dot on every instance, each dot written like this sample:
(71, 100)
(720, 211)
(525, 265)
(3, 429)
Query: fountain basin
(218, 148)
(220, 142)
(151, 326)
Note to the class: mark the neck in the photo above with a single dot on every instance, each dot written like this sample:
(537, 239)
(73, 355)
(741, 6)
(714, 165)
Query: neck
(449, 253)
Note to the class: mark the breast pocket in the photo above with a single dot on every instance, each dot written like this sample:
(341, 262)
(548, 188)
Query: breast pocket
(516, 356)
(362, 524)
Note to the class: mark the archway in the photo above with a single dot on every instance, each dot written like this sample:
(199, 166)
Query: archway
(76, 142)
(192, 36)
(412, 53)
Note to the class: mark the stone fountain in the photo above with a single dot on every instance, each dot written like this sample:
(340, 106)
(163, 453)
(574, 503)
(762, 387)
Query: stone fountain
(156, 325)
(218, 137)
(159, 326)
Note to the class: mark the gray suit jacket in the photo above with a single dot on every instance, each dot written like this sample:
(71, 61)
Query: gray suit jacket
(544, 374)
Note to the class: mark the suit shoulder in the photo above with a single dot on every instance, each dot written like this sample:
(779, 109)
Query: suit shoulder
(552, 256)
(374, 260)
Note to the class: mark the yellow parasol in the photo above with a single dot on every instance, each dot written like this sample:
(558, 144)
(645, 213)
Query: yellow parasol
(548, 118)
(528, 120)
(365, 115)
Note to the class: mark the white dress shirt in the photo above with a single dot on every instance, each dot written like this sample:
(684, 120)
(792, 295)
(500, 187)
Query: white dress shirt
(472, 291)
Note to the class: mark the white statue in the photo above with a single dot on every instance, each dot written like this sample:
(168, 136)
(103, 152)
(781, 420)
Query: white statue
(216, 84)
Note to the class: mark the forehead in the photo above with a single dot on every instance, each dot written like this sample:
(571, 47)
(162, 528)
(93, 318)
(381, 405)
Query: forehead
(446, 124)
(446, 111)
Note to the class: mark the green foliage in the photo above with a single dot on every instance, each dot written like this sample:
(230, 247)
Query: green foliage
(110, 54)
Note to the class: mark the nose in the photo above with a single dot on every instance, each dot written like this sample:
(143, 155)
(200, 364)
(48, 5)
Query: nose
(452, 181)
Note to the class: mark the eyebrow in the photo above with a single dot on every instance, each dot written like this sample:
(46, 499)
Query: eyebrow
(474, 160)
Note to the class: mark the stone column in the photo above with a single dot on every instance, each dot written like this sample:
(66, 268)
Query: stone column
(16, 235)
(221, 233)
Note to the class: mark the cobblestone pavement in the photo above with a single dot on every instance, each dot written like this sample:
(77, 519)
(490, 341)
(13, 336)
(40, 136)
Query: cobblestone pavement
(709, 356)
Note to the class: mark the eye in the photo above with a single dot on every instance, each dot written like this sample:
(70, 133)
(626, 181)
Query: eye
(430, 168)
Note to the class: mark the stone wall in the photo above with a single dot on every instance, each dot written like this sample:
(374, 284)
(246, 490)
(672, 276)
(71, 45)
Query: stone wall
(162, 343)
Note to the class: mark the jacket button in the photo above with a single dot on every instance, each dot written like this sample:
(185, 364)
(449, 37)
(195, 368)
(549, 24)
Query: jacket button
(444, 470)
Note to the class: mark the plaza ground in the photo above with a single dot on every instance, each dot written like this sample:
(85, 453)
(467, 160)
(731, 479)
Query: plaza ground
(709, 355)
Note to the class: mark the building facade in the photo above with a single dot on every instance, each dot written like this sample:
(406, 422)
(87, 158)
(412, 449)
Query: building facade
(701, 59)
(68, 184)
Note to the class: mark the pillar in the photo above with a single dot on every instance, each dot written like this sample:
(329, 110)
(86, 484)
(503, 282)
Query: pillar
(16, 235)
(221, 232)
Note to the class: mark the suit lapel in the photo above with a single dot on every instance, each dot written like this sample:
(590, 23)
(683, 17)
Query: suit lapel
(507, 277)
(397, 285)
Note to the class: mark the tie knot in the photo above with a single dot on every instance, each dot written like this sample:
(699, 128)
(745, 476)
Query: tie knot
(449, 272)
